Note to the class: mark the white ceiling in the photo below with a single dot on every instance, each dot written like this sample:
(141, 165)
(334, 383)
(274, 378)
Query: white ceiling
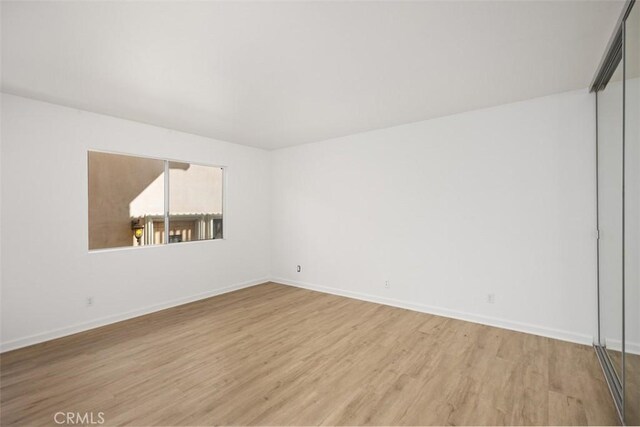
(275, 74)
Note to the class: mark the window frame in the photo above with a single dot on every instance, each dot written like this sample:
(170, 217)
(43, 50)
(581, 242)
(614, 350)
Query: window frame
(166, 160)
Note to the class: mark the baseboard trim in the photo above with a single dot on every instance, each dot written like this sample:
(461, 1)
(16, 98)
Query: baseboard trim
(104, 321)
(440, 311)
(616, 345)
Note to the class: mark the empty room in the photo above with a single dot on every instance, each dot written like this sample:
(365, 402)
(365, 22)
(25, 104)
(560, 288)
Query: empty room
(300, 213)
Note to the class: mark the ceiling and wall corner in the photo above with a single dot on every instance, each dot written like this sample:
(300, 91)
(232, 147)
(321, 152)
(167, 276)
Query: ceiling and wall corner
(276, 74)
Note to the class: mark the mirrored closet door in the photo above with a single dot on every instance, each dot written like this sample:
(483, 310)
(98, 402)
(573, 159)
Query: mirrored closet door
(631, 380)
(610, 126)
(617, 87)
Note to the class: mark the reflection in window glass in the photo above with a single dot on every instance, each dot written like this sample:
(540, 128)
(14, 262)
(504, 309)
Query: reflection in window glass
(195, 202)
(126, 196)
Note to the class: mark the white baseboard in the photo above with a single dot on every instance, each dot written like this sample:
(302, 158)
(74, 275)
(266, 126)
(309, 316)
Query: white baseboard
(470, 317)
(439, 311)
(103, 321)
(632, 347)
(629, 347)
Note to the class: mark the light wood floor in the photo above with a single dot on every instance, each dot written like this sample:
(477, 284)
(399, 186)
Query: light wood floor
(277, 355)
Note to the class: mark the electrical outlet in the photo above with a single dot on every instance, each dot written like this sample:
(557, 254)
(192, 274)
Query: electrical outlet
(89, 301)
(491, 298)
(298, 269)
(387, 284)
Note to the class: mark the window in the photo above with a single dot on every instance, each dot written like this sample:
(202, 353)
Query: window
(134, 200)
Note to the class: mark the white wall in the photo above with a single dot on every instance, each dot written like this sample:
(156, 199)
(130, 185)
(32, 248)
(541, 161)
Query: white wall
(498, 201)
(47, 271)
(449, 210)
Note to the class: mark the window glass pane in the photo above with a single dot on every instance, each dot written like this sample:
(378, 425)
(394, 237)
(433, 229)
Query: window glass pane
(195, 202)
(126, 200)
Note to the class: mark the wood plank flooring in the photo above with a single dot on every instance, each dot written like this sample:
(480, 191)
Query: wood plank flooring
(278, 355)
